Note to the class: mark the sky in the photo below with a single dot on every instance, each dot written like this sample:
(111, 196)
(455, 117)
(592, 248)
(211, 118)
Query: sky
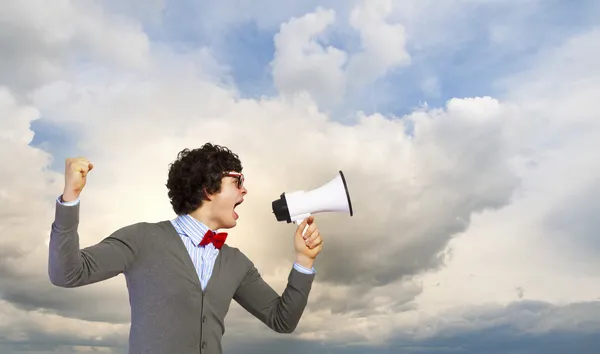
(467, 131)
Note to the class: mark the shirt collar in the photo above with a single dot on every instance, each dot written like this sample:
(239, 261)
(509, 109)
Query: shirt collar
(193, 228)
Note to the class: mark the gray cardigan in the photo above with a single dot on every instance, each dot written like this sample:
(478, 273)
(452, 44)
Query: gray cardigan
(170, 314)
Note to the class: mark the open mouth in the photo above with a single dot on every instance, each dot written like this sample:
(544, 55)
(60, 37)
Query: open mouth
(235, 215)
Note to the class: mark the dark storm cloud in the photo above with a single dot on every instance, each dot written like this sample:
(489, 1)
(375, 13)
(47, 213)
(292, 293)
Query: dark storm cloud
(516, 329)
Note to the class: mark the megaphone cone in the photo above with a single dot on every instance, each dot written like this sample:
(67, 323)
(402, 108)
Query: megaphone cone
(297, 206)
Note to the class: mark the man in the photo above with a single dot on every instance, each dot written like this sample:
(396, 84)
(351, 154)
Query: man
(180, 274)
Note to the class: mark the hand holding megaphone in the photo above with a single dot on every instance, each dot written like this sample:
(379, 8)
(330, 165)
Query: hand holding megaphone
(308, 241)
(299, 205)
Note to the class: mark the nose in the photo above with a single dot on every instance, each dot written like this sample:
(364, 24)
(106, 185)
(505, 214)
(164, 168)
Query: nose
(244, 190)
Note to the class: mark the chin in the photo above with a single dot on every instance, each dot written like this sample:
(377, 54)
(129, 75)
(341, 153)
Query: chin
(231, 226)
(228, 224)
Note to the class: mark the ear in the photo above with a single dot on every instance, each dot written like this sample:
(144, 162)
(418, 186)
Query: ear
(207, 196)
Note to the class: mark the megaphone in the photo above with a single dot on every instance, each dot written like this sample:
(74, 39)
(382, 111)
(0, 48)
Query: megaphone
(296, 206)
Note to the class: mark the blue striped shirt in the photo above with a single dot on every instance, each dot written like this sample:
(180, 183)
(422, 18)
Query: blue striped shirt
(191, 232)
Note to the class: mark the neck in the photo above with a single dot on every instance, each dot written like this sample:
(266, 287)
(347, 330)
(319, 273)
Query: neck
(204, 215)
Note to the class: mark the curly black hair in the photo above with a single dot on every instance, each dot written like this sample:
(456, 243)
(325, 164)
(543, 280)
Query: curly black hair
(197, 170)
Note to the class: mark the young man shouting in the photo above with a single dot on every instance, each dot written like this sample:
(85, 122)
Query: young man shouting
(180, 273)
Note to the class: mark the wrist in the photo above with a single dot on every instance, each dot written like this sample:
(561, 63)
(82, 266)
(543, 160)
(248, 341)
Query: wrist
(305, 261)
(69, 196)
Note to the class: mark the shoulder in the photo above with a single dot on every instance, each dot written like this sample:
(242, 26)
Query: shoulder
(236, 255)
(160, 229)
(144, 229)
(157, 226)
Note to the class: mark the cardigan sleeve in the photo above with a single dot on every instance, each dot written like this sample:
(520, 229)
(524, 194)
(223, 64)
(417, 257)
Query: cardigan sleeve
(281, 313)
(69, 266)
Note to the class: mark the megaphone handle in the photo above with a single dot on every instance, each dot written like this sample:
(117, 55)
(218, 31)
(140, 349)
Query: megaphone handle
(298, 222)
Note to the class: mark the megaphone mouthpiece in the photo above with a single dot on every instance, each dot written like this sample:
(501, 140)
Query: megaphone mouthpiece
(280, 209)
(331, 197)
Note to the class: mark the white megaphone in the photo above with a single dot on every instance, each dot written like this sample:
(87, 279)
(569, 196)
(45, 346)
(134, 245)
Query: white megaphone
(297, 206)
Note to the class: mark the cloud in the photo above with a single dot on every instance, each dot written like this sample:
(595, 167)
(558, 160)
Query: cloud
(26, 195)
(544, 237)
(564, 87)
(303, 65)
(398, 199)
(573, 224)
(453, 204)
(429, 174)
(40, 43)
(20, 183)
(525, 327)
(39, 332)
(384, 44)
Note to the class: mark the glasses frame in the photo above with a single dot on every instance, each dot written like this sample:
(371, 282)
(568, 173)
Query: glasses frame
(237, 175)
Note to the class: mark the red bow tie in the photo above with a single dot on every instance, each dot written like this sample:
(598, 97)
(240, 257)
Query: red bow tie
(217, 239)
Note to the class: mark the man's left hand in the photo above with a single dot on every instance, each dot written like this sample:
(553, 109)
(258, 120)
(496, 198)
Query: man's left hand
(309, 245)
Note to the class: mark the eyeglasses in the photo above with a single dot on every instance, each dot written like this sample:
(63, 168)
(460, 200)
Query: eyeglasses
(238, 176)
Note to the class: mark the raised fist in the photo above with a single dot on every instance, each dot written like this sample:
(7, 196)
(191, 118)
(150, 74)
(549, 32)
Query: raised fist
(76, 170)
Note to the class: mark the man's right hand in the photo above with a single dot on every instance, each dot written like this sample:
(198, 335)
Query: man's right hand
(76, 170)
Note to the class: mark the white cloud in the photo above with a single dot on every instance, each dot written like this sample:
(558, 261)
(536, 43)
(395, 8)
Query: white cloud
(542, 241)
(396, 181)
(383, 44)
(416, 182)
(302, 64)
(39, 42)
(24, 178)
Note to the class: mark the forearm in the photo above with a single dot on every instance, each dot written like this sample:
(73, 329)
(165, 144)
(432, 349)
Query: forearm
(280, 313)
(292, 302)
(65, 263)
(70, 266)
